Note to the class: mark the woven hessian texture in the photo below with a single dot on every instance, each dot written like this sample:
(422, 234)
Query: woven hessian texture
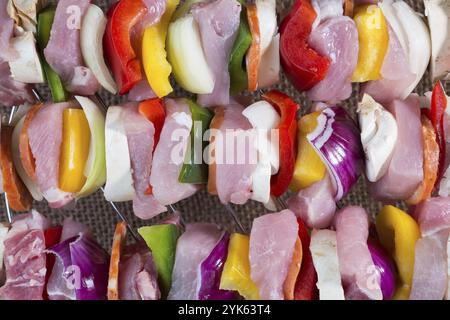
(99, 215)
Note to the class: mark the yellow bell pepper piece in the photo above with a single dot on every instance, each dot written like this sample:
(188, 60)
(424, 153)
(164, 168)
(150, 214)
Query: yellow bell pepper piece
(236, 271)
(398, 233)
(74, 150)
(373, 38)
(154, 55)
(309, 168)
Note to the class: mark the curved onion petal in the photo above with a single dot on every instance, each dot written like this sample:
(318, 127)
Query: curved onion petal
(385, 267)
(186, 55)
(119, 181)
(267, 21)
(418, 40)
(95, 169)
(85, 266)
(92, 30)
(336, 140)
(211, 271)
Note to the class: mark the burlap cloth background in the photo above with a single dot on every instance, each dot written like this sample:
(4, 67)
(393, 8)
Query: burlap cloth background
(99, 215)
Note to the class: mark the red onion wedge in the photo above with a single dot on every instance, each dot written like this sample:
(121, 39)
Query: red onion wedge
(86, 266)
(336, 140)
(385, 267)
(211, 271)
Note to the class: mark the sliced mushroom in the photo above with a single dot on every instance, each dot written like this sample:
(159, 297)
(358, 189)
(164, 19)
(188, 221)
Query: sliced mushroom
(27, 67)
(438, 14)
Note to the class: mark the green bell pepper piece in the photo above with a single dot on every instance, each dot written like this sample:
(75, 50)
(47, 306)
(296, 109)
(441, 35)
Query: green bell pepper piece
(194, 170)
(44, 26)
(162, 241)
(236, 66)
(184, 9)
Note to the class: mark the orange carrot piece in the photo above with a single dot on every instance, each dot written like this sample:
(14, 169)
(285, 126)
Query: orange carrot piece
(348, 8)
(430, 163)
(253, 55)
(19, 197)
(294, 270)
(216, 122)
(118, 242)
(26, 155)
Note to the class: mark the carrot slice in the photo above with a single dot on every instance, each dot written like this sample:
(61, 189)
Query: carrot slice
(118, 242)
(19, 197)
(26, 155)
(294, 270)
(348, 8)
(430, 163)
(253, 54)
(216, 122)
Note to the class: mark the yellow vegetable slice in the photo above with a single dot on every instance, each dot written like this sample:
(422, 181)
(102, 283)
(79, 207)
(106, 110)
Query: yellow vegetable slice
(309, 168)
(154, 55)
(236, 271)
(74, 150)
(373, 38)
(398, 233)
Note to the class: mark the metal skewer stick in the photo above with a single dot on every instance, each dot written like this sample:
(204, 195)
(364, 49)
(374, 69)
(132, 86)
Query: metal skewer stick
(37, 95)
(8, 209)
(123, 218)
(9, 214)
(176, 212)
(11, 114)
(235, 217)
(281, 202)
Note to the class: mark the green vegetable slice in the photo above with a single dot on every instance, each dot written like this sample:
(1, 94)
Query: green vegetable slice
(162, 241)
(236, 66)
(44, 26)
(194, 169)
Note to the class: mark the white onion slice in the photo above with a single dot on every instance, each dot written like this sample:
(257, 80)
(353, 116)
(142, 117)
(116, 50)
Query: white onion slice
(418, 40)
(119, 181)
(186, 55)
(263, 118)
(91, 40)
(269, 68)
(325, 259)
(267, 21)
(95, 168)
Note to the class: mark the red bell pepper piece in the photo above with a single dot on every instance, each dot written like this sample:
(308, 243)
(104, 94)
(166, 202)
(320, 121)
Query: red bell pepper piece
(52, 236)
(119, 52)
(436, 115)
(303, 66)
(287, 131)
(154, 111)
(305, 286)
